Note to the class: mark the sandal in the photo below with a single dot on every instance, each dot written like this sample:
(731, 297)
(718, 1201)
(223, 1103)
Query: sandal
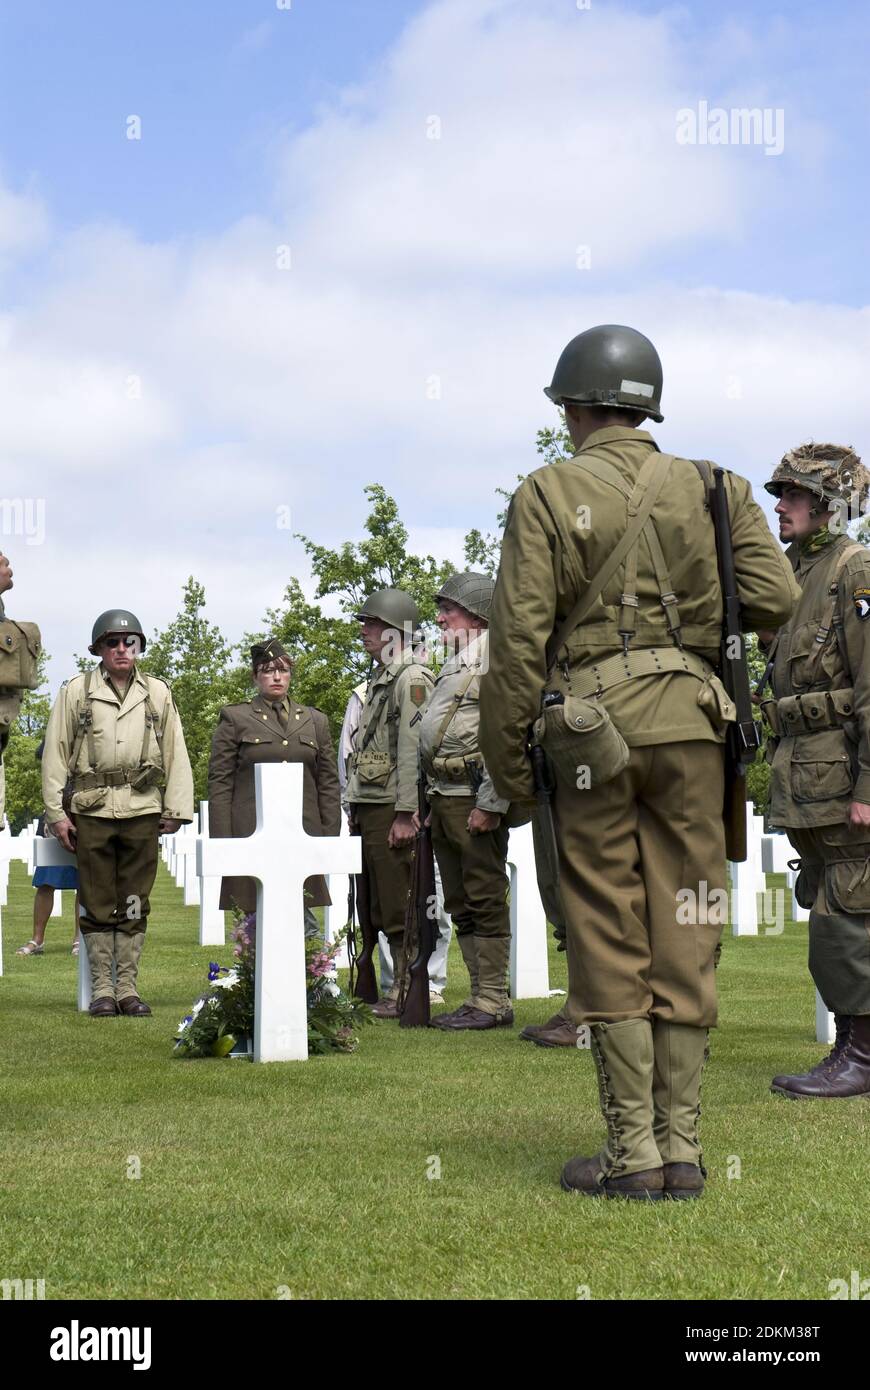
(31, 948)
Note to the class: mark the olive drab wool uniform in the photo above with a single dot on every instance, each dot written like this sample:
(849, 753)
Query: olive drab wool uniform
(627, 846)
(472, 866)
(129, 766)
(821, 760)
(263, 731)
(383, 781)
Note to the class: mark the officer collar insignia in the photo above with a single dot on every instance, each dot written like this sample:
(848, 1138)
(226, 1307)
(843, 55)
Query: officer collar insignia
(861, 600)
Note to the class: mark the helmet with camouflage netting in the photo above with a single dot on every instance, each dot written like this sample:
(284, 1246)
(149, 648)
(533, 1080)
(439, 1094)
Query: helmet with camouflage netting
(833, 472)
(471, 591)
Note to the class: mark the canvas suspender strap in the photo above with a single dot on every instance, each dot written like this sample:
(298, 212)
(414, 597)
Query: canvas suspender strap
(641, 502)
(667, 596)
(84, 730)
(374, 718)
(449, 716)
(827, 621)
(152, 722)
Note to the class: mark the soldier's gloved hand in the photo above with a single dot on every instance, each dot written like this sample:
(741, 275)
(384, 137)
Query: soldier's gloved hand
(479, 822)
(402, 830)
(5, 575)
(65, 831)
(859, 814)
(168, 826)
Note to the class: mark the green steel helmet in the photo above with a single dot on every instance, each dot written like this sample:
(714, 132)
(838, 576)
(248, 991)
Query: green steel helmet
(471, 591)
(833, 472)
(115, 620)
(392, 606)
(609, 365)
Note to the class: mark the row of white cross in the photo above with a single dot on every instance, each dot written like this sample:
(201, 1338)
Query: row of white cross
(280, 856)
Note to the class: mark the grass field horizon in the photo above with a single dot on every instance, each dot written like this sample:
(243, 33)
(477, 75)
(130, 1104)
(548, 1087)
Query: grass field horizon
(310, 1180)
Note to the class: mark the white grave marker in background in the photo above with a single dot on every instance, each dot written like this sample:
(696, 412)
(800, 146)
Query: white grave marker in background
(212, 927)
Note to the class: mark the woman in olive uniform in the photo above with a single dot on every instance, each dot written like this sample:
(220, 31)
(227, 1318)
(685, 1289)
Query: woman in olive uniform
(271, 728)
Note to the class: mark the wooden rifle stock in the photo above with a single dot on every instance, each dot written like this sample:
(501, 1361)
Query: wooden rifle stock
(365, 985)
(421, 926)
(743, 738)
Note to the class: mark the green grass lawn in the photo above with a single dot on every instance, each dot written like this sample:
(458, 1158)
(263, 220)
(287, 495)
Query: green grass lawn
(313, 1175)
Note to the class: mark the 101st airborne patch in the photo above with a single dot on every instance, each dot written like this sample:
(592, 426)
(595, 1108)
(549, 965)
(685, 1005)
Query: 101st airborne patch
(861, 600)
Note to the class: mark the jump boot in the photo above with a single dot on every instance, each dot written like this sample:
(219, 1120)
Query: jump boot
(845, 1072)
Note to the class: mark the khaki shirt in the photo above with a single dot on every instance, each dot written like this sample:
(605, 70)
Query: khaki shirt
(384, 764)
(118, 728)
(562, 524)
(461, 737)
(816, 775)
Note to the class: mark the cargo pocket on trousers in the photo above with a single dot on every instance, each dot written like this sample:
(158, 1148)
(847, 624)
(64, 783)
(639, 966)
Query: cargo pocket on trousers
(821, 767)
(847, 885)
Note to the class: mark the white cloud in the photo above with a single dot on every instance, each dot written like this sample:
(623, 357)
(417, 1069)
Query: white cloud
(432, 288)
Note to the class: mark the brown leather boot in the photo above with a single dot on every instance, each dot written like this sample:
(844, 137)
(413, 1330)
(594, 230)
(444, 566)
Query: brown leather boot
(105, 1007)
(134, 1007)
(477, 1020)
(558, 1031)
(684, 1182)
(386, 1008)
(785, 1082)
(586, 1175)
(845, 1073)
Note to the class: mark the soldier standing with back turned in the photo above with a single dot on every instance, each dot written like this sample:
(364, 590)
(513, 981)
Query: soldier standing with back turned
(820, 714)
(621, 531)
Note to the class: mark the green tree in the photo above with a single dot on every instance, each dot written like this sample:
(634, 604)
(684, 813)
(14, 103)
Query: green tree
(198, 663)
(23, 771)
(329, 658)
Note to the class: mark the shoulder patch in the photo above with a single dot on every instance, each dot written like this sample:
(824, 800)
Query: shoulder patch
(861, 600)
(417, 692)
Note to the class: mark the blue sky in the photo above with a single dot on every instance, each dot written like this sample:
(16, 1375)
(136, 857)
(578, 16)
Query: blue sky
(153, 353)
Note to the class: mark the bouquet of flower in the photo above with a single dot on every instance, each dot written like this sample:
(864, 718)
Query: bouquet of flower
(225, 1013)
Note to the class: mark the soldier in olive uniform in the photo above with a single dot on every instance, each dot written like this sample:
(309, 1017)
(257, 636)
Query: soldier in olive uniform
(621, 530)
(115, 776)
(469, 836)
(271, 728)
(820, 779)
(382, 785)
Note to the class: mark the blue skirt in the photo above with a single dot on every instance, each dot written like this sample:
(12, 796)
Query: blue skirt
(56, 876)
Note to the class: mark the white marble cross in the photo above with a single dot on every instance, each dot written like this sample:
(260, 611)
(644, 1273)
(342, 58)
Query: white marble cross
(212, 928)
(530, 970)
(280, 855)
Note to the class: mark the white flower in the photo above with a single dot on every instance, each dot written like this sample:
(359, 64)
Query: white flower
(228, 981)
(196, 1007)
(330, 988)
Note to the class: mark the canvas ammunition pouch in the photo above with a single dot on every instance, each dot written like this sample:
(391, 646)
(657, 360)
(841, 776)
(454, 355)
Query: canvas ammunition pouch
(20, 645)
(582, 744)
(809, 713)
(373, 768)
(458, 768)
